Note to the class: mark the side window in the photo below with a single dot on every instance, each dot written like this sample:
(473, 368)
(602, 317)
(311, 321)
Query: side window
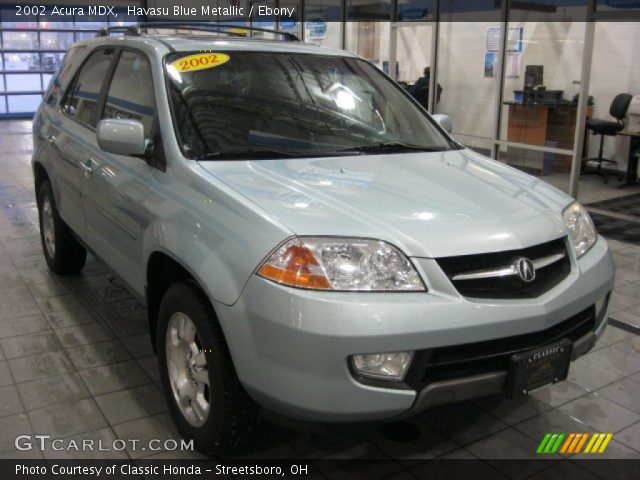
(131, 93)
(64, 74)
(82, 100)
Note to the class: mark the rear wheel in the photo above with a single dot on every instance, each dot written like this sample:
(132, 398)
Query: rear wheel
(204, 395)
(62, 251)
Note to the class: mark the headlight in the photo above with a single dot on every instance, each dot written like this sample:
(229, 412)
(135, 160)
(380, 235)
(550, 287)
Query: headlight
(583, 232)
(341, 264)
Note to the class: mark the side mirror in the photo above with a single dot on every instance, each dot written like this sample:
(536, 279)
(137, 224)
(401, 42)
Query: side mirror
(444, 121)
(122, 137)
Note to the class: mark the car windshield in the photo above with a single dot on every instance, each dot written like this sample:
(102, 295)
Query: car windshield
(239, 104)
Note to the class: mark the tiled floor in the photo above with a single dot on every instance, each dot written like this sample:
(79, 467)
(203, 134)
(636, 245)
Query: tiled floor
(591, 189)
(75, 361)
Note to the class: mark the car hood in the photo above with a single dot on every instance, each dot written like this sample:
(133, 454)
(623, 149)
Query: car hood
(428, 204)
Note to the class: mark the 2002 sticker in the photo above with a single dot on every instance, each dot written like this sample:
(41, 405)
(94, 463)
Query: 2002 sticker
(199, 61)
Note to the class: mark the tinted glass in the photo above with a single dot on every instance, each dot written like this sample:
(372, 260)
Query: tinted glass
(81, 102)
(295, 103)
(369, 10)
(64, 75)
(69, 64)
(131, 92)
(414, 10)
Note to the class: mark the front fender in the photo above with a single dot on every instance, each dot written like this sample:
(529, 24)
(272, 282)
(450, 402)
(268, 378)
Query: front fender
(217, 236)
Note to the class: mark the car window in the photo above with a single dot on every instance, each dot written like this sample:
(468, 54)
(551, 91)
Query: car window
(64, 74)
(131, 91)
(81, 101)
(229, 103)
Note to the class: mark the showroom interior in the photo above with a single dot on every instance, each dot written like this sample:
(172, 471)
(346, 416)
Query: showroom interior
(521, 83)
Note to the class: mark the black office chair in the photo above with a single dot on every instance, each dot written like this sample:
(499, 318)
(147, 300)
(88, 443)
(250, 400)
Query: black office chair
(618, 110)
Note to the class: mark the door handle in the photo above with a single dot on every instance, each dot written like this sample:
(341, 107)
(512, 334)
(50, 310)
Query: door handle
(88, 169)
(51, 139)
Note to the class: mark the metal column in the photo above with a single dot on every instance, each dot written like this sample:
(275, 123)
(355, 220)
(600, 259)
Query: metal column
(433, 79)
(581, 114)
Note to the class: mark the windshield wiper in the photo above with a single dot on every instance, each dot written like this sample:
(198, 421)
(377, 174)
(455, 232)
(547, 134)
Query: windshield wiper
(249, 154)
(268, 153)
(394, 147)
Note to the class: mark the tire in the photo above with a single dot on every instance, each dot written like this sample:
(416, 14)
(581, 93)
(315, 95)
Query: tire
(232, 416)
(62, 251)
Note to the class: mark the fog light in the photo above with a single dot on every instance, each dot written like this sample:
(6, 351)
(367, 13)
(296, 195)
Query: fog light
(382, 366)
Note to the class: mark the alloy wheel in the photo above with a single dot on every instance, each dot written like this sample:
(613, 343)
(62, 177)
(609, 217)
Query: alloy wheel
(48, 228)
(187, 367)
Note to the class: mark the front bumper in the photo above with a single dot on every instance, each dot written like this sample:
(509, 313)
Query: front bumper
(290, 347)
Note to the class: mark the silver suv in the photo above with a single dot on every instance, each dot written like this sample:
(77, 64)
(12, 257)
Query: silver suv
(304, 235)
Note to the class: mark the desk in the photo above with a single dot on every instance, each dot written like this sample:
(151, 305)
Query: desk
(631, 178)
(550, 124)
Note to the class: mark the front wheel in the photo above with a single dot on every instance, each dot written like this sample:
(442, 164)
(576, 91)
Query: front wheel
(205, 398)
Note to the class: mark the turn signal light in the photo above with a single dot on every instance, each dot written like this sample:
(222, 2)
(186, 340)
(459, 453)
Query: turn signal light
(296, 266)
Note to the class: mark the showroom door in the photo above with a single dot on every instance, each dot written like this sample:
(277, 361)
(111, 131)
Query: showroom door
(117, 186)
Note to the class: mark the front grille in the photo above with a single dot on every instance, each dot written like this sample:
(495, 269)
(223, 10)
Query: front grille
(447, 363)
(508, 286)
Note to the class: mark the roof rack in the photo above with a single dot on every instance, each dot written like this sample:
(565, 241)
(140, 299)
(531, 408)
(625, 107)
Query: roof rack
(137, 30)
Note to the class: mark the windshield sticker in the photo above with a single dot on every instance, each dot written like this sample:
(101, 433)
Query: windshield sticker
(199, 61)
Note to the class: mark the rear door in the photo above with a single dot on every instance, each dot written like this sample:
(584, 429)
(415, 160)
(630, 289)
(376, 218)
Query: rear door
(72, 139)
(115, 191)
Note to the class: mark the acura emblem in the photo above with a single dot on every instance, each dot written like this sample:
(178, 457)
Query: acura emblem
(524, 268)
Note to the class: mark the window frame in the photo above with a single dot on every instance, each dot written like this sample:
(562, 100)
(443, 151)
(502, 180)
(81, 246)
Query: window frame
(50, 95)
(111, 74)
(157, 159)
(72, 84)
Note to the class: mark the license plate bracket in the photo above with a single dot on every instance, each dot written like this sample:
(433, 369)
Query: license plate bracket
(536, 368)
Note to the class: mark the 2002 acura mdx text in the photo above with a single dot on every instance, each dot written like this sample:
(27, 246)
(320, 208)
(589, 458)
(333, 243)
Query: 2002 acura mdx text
(305, 237)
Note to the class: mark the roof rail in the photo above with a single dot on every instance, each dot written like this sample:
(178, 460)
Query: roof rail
(137, 30)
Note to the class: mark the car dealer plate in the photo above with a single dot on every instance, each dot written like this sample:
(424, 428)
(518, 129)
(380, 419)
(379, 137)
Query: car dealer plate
(536, 368)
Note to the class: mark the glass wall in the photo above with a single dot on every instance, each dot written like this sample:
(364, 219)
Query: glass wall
(293, 24)
(614, 70)
(540, 95)
(468, 74)
(368, 30)
(522, 111)
(32, 49)
(323, 22)
(413, 50)
(413, 39)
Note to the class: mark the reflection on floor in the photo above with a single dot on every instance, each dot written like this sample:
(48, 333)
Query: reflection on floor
(591, 188)
(626, 205)
(76, 362)
(617, 228)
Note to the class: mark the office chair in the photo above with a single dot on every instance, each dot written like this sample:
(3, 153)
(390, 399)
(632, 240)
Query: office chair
(618, 110)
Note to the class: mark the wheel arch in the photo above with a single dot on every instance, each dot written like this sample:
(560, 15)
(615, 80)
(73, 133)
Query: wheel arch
(162, 271)
(40, 175)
